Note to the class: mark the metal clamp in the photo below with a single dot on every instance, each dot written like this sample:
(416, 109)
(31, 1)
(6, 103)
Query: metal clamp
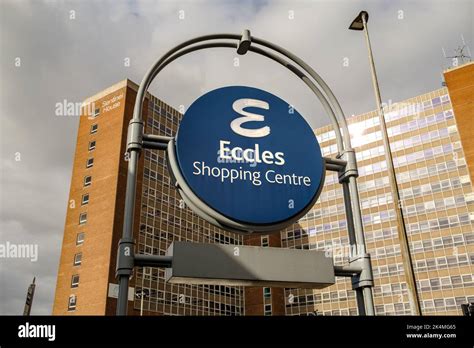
(350, 168)
(125, 257)
(244, 43)
(365, 277)
(134, 135)
(142, 260)
(157, 142)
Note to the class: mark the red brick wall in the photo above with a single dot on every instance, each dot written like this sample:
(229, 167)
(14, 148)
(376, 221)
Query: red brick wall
(460, 83)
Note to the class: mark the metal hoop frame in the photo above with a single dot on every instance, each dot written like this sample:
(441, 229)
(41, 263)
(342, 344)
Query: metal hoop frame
(359, 268)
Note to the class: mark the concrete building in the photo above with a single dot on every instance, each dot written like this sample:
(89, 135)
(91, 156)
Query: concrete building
(432, 139)
(432, 142)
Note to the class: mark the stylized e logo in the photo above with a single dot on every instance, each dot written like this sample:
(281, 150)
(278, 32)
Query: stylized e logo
(236, 124)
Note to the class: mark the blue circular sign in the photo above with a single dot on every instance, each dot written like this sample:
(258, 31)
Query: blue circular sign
(249, 156)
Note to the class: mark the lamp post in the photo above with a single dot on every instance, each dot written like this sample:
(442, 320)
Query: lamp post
(360, 23)
(143, 293)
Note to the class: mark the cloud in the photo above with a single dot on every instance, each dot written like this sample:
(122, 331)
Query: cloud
(72, 58)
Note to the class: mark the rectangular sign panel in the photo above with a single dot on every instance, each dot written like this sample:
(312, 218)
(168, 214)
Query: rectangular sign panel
(114, 290)
(239, 265)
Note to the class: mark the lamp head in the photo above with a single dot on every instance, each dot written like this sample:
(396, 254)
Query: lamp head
(358, 22)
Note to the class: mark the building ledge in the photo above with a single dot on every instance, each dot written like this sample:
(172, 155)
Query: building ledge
(458, 67)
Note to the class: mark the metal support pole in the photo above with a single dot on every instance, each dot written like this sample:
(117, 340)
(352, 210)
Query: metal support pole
(346, 271)
(362, 285)
(153, 145)
(402, 233)
(335, 165)
(352, 240)
(153, 261)
(360, 241)
(125, 255)
(156, 142)
(157, 138)
(349, 216)
(143, 293)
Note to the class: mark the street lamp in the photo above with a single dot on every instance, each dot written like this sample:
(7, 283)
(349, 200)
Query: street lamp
(360, 23)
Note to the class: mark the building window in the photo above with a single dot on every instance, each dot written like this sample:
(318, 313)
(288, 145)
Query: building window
(82, 218)
(265, 241)
(96, 112)
(267, 292)
(268, 309)
(77, 259)
(75, 281)
(94, 128)
(87, 180)
(92, 145)
(85, 199)
(80, 238)
(90, 162)
(71, 306)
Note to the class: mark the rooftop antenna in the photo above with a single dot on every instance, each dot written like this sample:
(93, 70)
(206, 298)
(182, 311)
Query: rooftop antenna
(29, 298)
(461, 54)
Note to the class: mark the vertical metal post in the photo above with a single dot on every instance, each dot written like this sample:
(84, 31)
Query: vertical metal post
(141, 305)
(352, 240)
(402, 233)
(143, 292)
(125, 252)
(349, 216)
(360, 241)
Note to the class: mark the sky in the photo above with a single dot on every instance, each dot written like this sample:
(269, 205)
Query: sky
(56, 51)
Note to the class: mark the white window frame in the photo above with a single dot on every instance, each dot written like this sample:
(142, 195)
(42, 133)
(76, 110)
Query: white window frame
(78, 240)
(94, 128)
(72, 303)
(269, 292)
(83, 200)
(90, 162)
(82, 218)
(90, 181)
(92, 145)
(267, 312)
(75, 284)
(77, 259)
